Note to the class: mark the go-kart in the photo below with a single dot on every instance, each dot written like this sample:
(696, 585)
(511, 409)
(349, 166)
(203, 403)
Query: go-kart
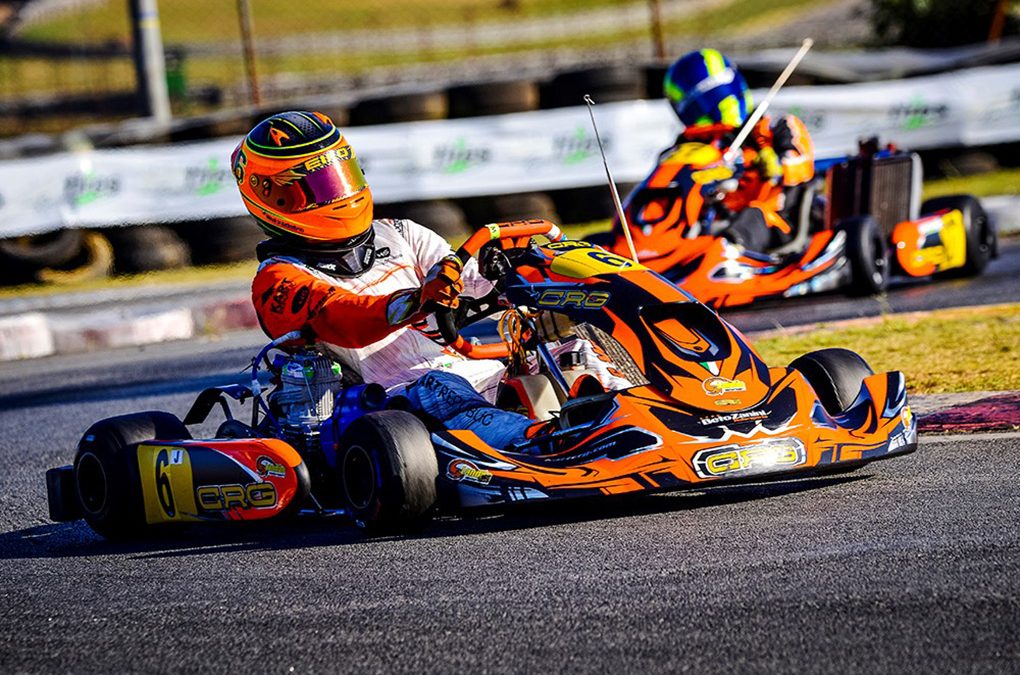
(704, 410)
(842, 229)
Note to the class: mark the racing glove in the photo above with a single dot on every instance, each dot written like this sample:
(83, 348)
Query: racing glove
(767, 162)
(443, 282)
(441, 286)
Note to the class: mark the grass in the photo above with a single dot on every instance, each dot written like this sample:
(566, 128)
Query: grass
(201, 20)
(198, 21)
(1004, 182)
(965, 349)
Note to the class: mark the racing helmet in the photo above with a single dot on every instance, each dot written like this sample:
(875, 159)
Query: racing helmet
(301, 181)
(704, 88)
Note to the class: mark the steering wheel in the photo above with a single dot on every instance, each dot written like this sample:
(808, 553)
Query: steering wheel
(516, 232)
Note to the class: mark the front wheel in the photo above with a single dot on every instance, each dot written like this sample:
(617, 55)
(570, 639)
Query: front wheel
(388, 471)
(868, 254)
(835, 374)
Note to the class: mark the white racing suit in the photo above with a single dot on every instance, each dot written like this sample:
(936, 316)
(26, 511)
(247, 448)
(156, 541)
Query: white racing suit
(348, 316)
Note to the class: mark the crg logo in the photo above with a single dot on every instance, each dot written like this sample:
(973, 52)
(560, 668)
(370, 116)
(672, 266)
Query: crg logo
(762, 457)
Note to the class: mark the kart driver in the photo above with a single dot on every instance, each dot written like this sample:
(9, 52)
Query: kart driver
(712, 101)
(361, 287)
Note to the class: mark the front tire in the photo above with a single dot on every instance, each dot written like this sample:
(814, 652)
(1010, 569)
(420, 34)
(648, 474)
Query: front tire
(106, 470)
(835, 374)
(388, 471)
(982, 240)
(868, 254)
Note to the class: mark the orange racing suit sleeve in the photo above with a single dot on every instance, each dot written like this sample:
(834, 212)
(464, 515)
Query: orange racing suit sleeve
(288, 298)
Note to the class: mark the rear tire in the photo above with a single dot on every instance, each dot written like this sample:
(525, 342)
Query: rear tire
(982, 239)
(106, 470)
(835, 374)
(388, 471)
(868, 253)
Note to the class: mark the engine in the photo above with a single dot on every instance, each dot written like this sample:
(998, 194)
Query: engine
(309, 385)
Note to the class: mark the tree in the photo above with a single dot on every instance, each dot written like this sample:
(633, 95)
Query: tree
(939, 23)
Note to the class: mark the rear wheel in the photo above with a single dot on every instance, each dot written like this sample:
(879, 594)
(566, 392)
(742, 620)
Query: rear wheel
(835, 374)
(388, 471)
(981, 236)
(106, 470)
(868, 254)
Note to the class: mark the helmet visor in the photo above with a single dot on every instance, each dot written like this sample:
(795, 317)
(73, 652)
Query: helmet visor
(322, 180)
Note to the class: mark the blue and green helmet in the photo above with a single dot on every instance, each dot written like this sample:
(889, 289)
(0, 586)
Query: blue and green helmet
(704, 87)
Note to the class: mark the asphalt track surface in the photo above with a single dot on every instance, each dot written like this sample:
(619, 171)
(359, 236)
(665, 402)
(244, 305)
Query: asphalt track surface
(908, 565)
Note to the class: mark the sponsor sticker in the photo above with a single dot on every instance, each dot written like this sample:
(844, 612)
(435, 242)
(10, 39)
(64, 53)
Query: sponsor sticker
(717, 386)
(266, 466)
(743, 416)
(466, 470)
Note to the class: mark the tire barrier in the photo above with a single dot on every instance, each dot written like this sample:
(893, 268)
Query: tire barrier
(603, 83)
(493, 98)
(93, 261)
(147, 248)
(442, 216)
(199, 183)
(497, 208)
(22, 257)
(413, 107)
(220, 240)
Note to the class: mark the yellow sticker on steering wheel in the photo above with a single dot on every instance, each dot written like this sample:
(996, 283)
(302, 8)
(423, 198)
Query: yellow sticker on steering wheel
(493, 231)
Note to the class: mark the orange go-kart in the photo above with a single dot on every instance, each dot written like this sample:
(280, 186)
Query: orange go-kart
(864, 222)
(704, 410)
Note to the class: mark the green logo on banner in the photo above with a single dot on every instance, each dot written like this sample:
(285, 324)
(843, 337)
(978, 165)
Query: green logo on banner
(458, 157)
(207, 179)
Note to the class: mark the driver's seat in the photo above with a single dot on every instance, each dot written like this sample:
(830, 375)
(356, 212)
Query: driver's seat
(534, 393)
(539, 397)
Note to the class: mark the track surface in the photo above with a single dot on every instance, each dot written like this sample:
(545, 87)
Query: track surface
(907, 565)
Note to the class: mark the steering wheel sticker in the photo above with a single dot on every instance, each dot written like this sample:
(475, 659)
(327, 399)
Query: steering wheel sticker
(585, 263)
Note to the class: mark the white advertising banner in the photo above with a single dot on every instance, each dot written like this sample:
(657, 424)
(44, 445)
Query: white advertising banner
(522, 152)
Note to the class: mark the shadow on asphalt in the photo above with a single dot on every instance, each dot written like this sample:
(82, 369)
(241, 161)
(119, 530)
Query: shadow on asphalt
(75, 394)
(75, 540)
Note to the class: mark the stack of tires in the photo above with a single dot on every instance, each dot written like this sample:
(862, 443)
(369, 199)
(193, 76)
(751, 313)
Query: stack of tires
(63, 256)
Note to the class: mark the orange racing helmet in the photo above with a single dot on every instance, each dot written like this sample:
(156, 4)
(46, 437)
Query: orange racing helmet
(301, 181)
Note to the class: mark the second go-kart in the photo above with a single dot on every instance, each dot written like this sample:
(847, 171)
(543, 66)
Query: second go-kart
(864, 222)
(704, 410)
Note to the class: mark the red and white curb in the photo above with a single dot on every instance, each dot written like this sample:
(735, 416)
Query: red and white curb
(998, 412)
(37, 334)
(25, 336)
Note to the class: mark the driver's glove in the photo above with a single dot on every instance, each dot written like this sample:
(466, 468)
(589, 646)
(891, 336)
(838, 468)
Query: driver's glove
(441, 286)
(442, 283)
(767, 162)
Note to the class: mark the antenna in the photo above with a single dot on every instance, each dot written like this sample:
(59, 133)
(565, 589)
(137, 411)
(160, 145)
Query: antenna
(763, 106)
(612, 184)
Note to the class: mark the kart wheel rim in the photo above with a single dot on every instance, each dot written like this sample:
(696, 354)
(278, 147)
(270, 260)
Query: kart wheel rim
(92, 484)
(358, 477)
